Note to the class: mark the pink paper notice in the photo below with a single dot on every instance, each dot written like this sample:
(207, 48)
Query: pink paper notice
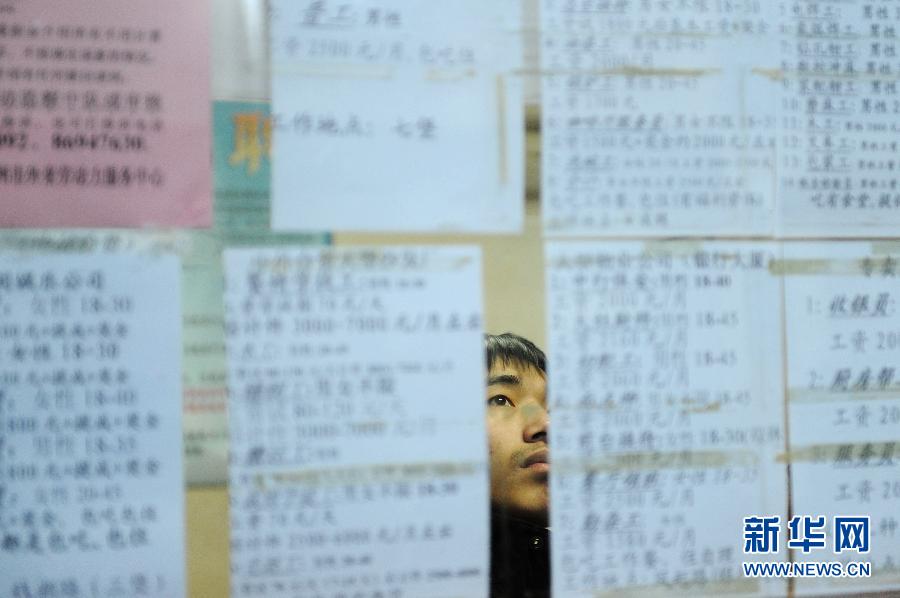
(104, 113)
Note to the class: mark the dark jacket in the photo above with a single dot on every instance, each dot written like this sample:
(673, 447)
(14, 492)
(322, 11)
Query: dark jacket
(520, 558)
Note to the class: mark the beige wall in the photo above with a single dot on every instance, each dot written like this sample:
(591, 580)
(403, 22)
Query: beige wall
(207, 542)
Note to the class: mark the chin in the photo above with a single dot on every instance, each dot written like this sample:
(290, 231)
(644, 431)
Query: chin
(528, 501)
(534, 511)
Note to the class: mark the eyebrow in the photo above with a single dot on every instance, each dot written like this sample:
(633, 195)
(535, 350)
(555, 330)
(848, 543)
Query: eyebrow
(508, 379)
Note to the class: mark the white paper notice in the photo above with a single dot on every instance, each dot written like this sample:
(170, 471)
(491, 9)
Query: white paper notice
(358, 462)
(665, 365)
(397, 115)
(843, 344)
(839, 112)
(91, 482)
(658, 117)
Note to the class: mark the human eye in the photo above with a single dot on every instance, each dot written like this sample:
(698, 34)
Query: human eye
(500, 401)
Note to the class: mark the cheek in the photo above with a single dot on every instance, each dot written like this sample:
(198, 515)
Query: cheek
(492, 440)
(496, 433)
(499, 444)
(495, 443)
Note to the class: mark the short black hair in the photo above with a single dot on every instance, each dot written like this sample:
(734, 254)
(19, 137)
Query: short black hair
(512, 348)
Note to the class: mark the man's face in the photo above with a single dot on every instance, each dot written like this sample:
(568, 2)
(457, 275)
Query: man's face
(517, 424)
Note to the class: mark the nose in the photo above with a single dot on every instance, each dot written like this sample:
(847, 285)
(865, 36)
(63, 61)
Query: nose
(537, 422)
